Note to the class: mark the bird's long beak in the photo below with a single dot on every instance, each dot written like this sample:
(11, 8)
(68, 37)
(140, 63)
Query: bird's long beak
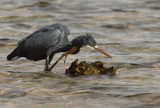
(101, 51)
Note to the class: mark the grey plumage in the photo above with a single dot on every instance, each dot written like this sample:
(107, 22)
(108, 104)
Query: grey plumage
(42, 43)
(49, 40)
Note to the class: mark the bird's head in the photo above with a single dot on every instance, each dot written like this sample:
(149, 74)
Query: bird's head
(87, 40)
(84, 40)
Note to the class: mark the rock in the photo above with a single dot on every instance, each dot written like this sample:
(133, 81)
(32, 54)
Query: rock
(96, 68)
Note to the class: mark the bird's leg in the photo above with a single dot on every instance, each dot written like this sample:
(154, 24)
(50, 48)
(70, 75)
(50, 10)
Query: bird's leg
(46, 64)
(65, 59)
(73, 49)
(56, 62)
(64, 54)
(50, 58)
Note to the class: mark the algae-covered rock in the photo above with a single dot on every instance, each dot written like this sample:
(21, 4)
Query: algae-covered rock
(96, 68)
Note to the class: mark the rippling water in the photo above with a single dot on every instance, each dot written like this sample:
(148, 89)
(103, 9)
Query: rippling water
(127, 29)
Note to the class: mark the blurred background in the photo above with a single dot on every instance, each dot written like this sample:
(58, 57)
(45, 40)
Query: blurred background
(129, 30)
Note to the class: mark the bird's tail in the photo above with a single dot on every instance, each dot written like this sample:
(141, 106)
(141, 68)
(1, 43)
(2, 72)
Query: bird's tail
(13, 55)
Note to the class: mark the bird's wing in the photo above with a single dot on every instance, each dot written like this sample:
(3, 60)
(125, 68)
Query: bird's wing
(41, 40)
(43, 29)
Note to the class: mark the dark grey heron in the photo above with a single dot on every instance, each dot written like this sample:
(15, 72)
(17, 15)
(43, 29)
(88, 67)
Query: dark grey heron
(49, 40)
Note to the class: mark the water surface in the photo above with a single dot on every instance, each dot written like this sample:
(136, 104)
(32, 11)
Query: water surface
(127, 29)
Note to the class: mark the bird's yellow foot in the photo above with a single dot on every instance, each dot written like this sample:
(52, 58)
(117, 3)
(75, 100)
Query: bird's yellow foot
(65, 59)
(73, 49)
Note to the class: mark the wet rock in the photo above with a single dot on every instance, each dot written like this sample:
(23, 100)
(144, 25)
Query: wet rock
(96, 68)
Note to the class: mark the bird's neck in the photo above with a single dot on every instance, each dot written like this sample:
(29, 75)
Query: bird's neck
(71, 47)
(78, 43)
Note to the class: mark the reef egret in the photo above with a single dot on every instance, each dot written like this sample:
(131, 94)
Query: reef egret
(49, 40)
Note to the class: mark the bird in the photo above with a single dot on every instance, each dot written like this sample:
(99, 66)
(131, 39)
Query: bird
(45, 42)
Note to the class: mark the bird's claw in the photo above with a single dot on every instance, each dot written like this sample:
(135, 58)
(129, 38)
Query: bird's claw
(65, 59)
(73, 49)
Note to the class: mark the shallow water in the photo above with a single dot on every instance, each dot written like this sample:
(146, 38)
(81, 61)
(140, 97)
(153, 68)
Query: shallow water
(129, 30)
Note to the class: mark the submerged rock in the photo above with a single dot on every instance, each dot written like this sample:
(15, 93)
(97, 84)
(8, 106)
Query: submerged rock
(96, 68)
